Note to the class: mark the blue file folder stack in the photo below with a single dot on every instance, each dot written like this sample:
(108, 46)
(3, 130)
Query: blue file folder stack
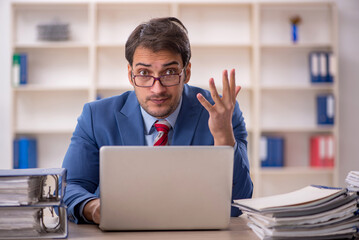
(272, 151)
(322, 67)
(25, 153)
(325, 109)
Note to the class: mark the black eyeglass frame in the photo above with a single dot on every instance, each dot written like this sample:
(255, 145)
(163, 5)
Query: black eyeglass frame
(158, 78)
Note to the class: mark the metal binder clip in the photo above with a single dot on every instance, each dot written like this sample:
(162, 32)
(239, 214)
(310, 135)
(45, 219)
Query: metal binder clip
(43, 225)
(49, 195)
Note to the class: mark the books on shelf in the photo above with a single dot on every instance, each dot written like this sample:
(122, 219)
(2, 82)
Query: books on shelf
(322, 67)
(313, 212)
(31, 204)
(322, 151)
(53, 31)
(272, 151)
(325, 109)
(25, 153)
(19, 69)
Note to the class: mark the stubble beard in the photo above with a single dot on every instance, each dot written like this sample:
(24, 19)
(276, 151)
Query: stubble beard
(159, 113)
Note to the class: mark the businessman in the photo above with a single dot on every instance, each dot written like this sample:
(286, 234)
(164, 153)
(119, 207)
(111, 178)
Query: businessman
(158, 54)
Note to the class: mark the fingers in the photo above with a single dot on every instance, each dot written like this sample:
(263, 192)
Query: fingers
(238, 88)
(233, 84)
(207, 105)
(229, 86)
(226, 88)
(214, 93)
(230, 91)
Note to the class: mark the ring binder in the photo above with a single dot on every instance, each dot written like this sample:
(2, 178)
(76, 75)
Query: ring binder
(43, 224)
(49, 196)
(31, 207)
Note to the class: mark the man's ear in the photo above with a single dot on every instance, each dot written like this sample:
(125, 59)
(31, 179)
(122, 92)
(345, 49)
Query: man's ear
(188, 73)
(129, 74)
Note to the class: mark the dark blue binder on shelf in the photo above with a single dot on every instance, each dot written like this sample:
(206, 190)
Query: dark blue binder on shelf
(25, 153)
(272, 152)
(325, 109)
(314, 67)
(23, 68)
(331, 67)
(321, 67)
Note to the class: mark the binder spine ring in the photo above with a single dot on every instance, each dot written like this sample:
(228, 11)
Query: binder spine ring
(43, 225)
(49, 195)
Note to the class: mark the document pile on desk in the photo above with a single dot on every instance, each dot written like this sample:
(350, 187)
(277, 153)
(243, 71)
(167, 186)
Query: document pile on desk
(313, 212)
(19, 190)
(28, 204)
(352, 180)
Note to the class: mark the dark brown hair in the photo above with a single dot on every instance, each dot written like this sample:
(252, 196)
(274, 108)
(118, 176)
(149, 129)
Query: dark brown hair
(160, 34)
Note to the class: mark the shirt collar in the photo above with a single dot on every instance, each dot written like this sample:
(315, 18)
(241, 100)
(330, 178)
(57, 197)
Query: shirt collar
(150, 120)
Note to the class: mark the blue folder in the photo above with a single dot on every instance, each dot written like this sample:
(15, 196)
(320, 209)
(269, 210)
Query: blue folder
(320, 67)
(273, 155)
(314, 67)
(325, 109)
(23, 68)
(25, 153)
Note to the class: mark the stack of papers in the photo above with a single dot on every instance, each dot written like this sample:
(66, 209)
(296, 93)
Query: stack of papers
(313, 212)
(353, 181)
(19, 221)
(19, 190)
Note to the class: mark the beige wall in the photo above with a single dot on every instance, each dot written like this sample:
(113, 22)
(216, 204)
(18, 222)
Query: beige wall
(348, 87)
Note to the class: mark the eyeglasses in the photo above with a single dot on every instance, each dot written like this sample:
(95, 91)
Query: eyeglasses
(165, 80)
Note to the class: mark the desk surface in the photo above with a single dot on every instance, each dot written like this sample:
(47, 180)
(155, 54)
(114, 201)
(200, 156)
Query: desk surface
(238, 229)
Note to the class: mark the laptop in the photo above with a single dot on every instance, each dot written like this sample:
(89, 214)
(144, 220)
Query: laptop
(165, 188)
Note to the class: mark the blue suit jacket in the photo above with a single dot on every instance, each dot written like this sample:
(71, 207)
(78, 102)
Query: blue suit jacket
(118, 121)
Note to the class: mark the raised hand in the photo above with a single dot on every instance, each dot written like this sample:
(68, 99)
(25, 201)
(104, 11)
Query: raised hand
(220, 114)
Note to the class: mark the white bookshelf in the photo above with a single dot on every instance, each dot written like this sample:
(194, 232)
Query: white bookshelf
(286, 98)
(254, 38)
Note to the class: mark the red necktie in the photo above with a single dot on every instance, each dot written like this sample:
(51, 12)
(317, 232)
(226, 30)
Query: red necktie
(162, 128)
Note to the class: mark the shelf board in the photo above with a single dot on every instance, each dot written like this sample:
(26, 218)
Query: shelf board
(55, 4)
(291, 4)
(309, 87)
(295, 170)
(128, 88)
(110, 45)
(45, 131)
(220, 45)
(51, 45)
(115, 88)
(44, 88)
(294, 45)
(318, 129)
(193, 45)
(220, 88)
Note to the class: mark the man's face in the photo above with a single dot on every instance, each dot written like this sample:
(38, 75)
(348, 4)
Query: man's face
(158, 101)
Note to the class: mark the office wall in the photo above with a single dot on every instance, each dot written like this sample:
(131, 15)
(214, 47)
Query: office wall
(5, 63)
(349, 85)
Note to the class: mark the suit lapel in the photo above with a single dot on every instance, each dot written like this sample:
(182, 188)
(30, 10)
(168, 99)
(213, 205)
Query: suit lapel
(188, 118)
(130, 123)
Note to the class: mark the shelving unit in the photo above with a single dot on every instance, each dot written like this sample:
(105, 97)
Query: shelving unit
(287, 104)
(277, 97)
